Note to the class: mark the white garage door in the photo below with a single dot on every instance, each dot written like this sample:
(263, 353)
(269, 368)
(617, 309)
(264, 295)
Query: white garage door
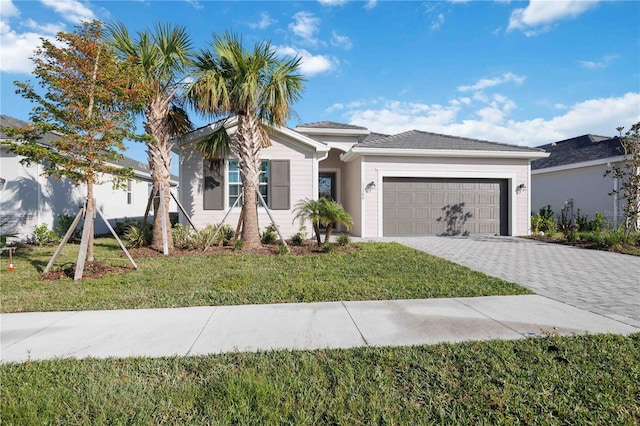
(435, 206)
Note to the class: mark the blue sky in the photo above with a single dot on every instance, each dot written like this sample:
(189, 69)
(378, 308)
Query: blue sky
(525, 73)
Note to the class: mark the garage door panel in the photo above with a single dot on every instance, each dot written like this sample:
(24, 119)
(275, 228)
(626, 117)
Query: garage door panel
(475, 206)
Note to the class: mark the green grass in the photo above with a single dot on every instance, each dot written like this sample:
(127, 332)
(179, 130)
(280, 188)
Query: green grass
(375, 271)
(575, 380)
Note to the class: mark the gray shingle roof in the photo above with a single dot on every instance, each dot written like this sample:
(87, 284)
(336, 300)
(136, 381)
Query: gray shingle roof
(331, 125)
(579, 149)
(416, 139)
(7, 121)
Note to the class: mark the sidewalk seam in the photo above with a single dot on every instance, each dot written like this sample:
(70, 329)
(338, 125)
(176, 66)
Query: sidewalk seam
(491, 318)
(73, 313)
(354, 323)
(206, 323)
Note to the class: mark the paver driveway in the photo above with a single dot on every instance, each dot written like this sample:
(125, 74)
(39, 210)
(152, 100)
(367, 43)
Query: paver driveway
(598, 281)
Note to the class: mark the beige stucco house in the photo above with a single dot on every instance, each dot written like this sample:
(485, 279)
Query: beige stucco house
(412, 183)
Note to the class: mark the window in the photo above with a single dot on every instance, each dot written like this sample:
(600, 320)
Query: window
(235, 181)
(130, 192)
(274, 184)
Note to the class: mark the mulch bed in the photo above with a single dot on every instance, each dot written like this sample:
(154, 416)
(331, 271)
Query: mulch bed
(98, 269)
(583, 244)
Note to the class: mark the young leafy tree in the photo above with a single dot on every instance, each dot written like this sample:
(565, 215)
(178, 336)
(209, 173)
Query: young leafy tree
(628, 175)
(257, 87)
(87, 101)
(164, 55)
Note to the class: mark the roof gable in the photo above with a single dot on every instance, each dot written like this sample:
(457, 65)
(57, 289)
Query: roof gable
(578, 150)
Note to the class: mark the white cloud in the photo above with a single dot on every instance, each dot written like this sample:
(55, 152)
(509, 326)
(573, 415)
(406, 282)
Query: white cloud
(371, 4)
(71, 10)
(332, 2)
(542, 14)
(602, 63)
(309, 64)
(341, 41)
(437, 23)
(265, 21)
(44, 28)
(195, 3)
(8, 10)
(492, 122)
(491, 82)
(305, 26)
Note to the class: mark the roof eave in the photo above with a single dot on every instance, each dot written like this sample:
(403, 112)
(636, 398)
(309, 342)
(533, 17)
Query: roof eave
(455, 153)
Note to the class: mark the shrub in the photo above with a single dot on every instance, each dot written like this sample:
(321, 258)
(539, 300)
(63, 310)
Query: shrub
(344, 240)
(181, 236)
(238, 245)
(137, 236)
(226, 234)
(597, 224)
(63, 223)
(200, 239)
(281, 249)
(43, 235)
(269, 236)
(121, 227)
(297, 239)
(328, 247)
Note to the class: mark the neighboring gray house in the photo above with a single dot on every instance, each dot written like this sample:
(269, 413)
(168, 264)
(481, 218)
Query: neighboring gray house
(574, 175)
(412, 183)
(28, 199)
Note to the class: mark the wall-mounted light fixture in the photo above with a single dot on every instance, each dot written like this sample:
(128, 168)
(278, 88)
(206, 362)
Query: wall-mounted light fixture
(370, 186)
(521, 187)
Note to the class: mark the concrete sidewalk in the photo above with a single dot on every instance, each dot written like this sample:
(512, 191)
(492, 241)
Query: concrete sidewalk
(217, 329)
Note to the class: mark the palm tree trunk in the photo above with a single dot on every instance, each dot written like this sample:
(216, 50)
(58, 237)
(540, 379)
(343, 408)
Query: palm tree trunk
(159, 154)
(248, 151)
(316, 230)
(327, 234)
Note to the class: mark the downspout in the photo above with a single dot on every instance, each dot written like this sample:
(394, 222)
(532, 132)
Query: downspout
(363, 225)
(615, 201)
(315, 172)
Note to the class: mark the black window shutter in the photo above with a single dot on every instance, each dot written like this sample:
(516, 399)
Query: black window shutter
(213, 184)
(279, 185)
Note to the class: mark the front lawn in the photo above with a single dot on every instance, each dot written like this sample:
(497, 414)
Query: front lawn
(374, 271)
(574, 380)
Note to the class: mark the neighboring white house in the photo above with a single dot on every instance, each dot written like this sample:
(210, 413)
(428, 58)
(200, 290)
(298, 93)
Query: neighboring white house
(413, 183)
(574, 176)
(28, 199)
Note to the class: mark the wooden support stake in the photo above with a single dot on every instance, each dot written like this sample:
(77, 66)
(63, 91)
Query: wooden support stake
(222, 223)
(64, 241)
(264, 204)
(118, 239)
(84, 243)
(165, 240)
(183, 211)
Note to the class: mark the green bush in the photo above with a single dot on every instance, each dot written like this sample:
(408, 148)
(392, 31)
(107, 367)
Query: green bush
(43, 235)
(63, 223)
(297, 239)
(137, 236)
(344, 240)
(269, 236)
(181, 236)
(238, 245)
(328, 247)
(281, 249)
(200, 239)
(122, 226)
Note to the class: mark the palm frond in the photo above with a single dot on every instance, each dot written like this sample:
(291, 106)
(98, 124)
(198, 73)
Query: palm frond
(216, 145)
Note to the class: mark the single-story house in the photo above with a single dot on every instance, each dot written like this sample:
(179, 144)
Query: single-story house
(28, 199)
(573, 175)
(412, 183)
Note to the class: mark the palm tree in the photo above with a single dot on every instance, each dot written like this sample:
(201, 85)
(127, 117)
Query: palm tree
(311, 210)
(333, 214)
(322, 212)
(164, 55)
(258, 88)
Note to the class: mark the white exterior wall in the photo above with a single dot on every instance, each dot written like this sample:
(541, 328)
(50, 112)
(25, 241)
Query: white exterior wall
(515, 171)
(587, 186)
(28, 199)
(303, 174)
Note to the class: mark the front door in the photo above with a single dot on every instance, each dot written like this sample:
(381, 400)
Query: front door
(327, 185)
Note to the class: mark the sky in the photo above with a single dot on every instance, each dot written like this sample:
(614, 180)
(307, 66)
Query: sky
(525, 73)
